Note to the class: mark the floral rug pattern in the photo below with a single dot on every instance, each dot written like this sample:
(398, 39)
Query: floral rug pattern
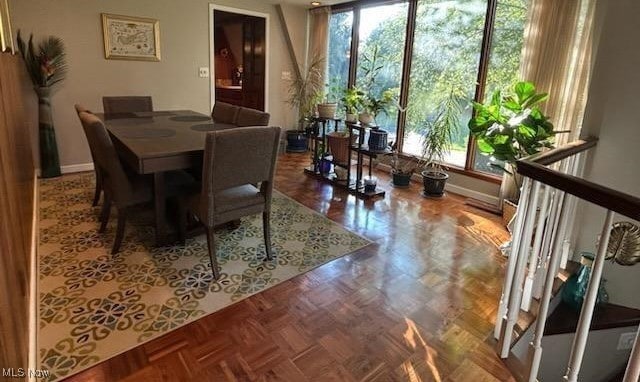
(94, 305)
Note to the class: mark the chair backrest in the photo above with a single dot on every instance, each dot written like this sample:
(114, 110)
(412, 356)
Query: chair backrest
(127, 104)
(225, 113)
(80, 109)
(252, 117)
(237, 157)
(106, 158)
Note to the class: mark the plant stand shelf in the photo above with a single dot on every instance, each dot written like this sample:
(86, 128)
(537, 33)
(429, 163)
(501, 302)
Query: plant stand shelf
(354, 182)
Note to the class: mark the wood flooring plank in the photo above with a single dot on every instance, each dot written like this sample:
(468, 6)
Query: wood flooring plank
(417, 305)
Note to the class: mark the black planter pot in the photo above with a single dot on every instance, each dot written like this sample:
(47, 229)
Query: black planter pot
(296, 142)
(433, 183)
(401, 179)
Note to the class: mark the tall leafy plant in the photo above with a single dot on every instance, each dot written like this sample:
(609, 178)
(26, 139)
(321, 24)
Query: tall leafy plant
(512, 126)
(437, 141)
(369, 70)
(307, 90)
(46, 63)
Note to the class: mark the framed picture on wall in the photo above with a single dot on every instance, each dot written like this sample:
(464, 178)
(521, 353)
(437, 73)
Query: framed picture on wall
(130, 38)
(6, 36)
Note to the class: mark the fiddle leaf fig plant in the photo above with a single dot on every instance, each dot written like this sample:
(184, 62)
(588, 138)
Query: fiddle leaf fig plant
(510, 127)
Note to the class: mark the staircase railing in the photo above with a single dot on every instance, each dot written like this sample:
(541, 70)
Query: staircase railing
(541, 245)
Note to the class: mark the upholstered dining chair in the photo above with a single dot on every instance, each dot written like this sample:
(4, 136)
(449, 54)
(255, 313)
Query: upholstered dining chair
(126, 104)
(96, 169)
(225, 113)
(234, 161)
(238, 116)
(122, 188)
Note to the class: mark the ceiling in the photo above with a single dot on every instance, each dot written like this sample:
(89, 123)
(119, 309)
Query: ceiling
(307, 3)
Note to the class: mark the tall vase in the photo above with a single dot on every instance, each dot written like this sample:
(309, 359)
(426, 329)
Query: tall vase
(49, 161)
(576, 286)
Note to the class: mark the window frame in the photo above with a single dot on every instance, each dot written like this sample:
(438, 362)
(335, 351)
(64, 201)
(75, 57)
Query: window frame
(483, 66)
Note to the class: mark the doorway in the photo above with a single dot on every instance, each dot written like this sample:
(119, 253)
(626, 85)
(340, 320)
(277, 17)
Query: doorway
(238, 57)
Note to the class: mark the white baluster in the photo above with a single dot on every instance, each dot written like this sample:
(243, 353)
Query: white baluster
(521, 252)
(633, 367)
(535, 252)
(547, 243)
(586, 314)
(535, 349)
(575, 169)
(511, 261)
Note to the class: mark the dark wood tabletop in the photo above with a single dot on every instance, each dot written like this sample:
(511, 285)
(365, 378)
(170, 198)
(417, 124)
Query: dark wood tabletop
(159, 141)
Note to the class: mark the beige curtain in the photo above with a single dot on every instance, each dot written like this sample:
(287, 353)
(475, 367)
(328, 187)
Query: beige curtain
(556, 57)
(319, 35)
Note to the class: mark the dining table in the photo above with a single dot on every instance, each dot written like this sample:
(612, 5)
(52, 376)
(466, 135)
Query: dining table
(155, 142)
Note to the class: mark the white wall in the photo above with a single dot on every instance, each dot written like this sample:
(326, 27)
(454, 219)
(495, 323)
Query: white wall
(613, 114)
(601, 361)
(173, 82)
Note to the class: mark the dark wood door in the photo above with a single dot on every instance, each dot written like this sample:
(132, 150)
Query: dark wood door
(254, 62)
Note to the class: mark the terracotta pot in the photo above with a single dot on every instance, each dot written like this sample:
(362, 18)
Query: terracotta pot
(339, 147)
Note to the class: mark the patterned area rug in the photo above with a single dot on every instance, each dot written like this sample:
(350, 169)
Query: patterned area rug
(94, 306)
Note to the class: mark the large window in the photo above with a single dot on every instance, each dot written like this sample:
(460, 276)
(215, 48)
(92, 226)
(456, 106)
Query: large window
(445, 56)
(446, 53)
(340, 29)
(504, 59)
(380, 55)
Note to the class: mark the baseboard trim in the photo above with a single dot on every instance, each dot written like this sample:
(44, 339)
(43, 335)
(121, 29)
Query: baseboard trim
(453, 188)
(72, 168)
(77, 168)
(33, 282)
(472, 194)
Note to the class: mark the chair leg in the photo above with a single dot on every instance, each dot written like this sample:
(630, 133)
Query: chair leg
(211, 243)
(266, 225)
(96, 195)
(104, 214)
(122, 217)
(182, 220)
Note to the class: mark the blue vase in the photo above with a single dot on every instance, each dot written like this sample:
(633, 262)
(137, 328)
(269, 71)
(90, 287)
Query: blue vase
(576, 287)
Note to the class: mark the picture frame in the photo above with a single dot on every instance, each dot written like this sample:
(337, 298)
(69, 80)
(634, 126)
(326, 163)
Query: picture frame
(6, 34)
(130, 38)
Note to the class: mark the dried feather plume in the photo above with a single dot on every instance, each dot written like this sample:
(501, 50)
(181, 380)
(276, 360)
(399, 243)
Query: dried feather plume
(624, 244)
(46, 63)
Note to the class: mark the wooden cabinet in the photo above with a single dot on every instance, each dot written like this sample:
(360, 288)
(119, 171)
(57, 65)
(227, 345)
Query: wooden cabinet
(232, 96)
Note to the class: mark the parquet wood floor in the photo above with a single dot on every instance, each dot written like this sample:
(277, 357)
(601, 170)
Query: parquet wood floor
(417, 305)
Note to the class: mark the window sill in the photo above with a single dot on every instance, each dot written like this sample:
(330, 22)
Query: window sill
(459, 170)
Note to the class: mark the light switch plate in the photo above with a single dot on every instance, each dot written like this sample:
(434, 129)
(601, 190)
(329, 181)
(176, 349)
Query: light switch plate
(626, 340)
(203, 72)
(286, 75)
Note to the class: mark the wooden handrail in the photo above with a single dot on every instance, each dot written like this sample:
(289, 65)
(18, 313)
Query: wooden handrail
(534, 168)
(548, 157)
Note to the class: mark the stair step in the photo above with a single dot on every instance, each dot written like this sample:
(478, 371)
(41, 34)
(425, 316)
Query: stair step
(526, 319)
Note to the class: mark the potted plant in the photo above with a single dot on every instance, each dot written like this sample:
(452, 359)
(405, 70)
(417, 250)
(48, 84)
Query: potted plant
(437, 143)
(510, 127)
(373, 101)
(352, 100)
(402, 169)
(372, 106)
(305, 92)
(46, 66)
(328, 108)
